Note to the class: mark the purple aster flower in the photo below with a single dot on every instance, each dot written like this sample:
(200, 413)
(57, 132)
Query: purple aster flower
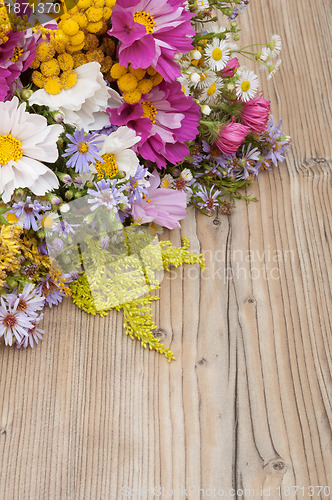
(246, 165)
(106, 194)
(29, 212)
(64, 228)
(208, 199)
(34, 335)
(42, 248)
(104, 241)
(276, 142)
(151, 32)
(28, 301)
(138, 184)
(50, 291)
(13, 323)
(84, 150)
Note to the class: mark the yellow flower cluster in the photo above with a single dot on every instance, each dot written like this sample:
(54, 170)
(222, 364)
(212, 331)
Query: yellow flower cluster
(134, 82)
(17, 245)
(9, 251)
(4, 24)
(76, 42)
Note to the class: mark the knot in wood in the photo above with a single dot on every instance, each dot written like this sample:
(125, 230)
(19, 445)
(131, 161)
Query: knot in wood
(276, 466)
(160, 333)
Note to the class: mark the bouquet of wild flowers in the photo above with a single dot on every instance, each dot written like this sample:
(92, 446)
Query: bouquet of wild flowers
(115, 116)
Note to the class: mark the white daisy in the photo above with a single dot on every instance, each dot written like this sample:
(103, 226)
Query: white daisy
(217, 54)
(247, 85)
(263, 55)
(273, 68)
(25, 142)
(212, 92)
(213, 27)
(200, 5)
(201, 78)
(184, 84)
(274, 45)
(166, 181)
(84, 105)
(186, 174)
(116, 153)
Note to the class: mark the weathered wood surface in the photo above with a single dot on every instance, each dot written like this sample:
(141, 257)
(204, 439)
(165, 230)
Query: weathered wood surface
(247, 403)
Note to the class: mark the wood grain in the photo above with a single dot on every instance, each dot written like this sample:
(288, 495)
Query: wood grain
(247, 404)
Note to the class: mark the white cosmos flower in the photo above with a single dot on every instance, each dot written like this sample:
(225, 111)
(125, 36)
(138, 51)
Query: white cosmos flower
(25, 142)
(117, 154)
(217, 54)
(247, 85)
(84, 105)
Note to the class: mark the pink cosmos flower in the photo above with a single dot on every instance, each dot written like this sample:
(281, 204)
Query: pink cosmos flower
(151, 32)
(231, 137)
(231, 65)
(16, 55)
(165, 120)
(162, 206)
(256, 113)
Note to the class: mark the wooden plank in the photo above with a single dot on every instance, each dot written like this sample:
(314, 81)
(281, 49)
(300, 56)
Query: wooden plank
(247, 403)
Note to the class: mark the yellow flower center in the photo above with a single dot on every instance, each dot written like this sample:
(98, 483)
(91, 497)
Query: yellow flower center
(108, 168)
(212, 89)
(12, 218)
(217, 54)
(245, 85)
(83, 147)
(17, 54)
(145, 19)
(203, 77)
(149, 111)
(10, 149)
(164, 183)
(47, 222)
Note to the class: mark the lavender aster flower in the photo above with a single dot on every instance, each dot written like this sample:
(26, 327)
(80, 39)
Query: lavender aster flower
(28, 212)
(138, 184)
(84, 150)
(106, 194)
(28, 301)
(34, 335)
(50, 291)
(277, 142)
(247, 165)
(13, 323)
(208, 199)
(64, 228)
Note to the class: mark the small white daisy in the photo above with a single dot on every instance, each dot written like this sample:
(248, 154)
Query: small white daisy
(200, 5)
(217, 54)
(263, 55)
(273, 68)
(274, 45)
(186, 174)
(247, 85)
(201, 79)
(184, 84)
(213, 27)
(166, 181)
(211, 93)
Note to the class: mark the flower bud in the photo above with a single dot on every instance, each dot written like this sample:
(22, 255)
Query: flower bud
(26, 94)
(206, 110)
